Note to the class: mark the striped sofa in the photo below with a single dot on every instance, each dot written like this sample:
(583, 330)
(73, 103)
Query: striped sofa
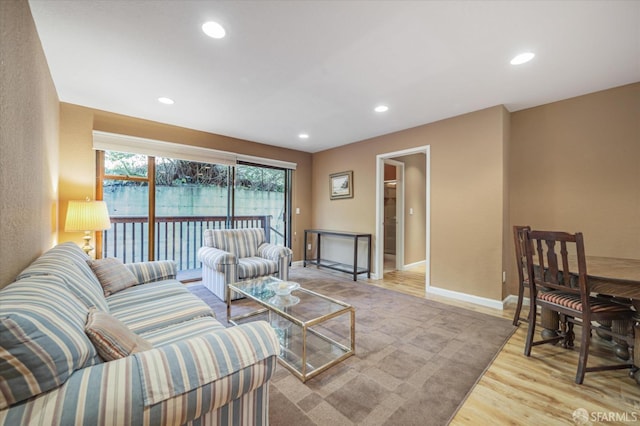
(231, 255)
(197, 373)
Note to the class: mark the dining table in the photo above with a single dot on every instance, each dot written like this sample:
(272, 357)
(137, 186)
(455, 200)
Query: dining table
(618, 278)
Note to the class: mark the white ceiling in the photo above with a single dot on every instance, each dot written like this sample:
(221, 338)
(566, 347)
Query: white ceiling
(320, 67)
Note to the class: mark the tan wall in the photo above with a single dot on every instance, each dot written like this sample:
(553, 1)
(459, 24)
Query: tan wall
(77, 163)
(28, 143)
(507, 239)
(575, 166)
(77, 159)
(467, 174)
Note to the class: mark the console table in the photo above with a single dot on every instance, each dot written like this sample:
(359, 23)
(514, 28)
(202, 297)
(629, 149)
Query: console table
(338, 266)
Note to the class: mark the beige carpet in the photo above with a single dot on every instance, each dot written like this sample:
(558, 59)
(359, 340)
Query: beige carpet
(416, 360)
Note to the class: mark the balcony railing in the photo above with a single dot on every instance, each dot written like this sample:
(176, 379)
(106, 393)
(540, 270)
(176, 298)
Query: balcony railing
(177, 238)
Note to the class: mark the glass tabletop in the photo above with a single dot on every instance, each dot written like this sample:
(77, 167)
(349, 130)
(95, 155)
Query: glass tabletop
(301, 304)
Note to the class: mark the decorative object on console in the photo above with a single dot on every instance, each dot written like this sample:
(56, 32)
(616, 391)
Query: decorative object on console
(87, 216)
(341, 185)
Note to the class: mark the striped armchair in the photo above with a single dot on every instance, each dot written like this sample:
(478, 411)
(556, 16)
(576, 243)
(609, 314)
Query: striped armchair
(231, 255)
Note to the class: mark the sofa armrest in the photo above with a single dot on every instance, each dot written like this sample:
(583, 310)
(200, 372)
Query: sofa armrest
(207, 358)
(216, 259)
(274, 252)
(157, 270)
(115, 392)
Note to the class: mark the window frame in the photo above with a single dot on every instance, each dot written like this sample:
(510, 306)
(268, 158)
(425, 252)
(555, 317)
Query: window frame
(101, 176)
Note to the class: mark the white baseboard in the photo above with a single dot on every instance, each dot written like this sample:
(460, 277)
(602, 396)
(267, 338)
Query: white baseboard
(415, 264)
(512, 298)
(482, 301)
(477, 300)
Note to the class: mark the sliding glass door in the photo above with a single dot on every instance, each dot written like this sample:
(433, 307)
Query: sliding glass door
(123, 183)
(261, 193)
(160, 207)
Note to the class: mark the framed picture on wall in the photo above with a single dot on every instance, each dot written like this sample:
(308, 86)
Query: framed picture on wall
(341, 185)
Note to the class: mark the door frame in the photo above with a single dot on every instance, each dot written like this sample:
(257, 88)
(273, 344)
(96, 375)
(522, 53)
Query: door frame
(399, 213)
(379, 235)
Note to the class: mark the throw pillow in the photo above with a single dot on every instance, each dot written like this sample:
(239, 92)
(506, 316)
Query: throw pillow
(42, 338)
(112, 274)
(111, 338)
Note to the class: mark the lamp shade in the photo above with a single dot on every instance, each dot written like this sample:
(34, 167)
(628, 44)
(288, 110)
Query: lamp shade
(87, 216)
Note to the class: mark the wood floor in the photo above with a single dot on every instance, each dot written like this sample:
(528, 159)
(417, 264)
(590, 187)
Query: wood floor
(539, 390)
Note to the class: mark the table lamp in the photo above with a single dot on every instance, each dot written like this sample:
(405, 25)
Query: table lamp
(87, 216)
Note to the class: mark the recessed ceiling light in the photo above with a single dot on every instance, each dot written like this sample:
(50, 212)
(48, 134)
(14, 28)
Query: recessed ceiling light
(303, 136)
(166, 101)
(213, 29)
(381, 108)
(522, 58)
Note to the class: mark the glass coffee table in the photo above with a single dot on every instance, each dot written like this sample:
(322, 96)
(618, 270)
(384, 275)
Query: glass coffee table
(315, 331)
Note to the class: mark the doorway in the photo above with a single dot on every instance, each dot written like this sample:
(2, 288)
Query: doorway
(412, 220)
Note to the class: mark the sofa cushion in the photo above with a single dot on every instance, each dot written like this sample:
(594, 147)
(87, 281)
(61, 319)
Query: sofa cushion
(182, 331)
(69, 262)
(42, 335)
(112, 274)
(132, 297)
(152, 306)
(251, 267)
(111, 338)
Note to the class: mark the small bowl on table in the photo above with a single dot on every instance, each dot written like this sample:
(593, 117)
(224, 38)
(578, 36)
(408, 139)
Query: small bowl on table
(283, 288)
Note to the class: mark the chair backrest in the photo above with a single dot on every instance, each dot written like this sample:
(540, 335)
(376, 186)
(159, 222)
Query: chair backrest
(561, 256)
(241, 242)
(519, 237)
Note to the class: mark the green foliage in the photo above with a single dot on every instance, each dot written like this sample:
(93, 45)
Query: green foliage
(260, 178)
(125, 164)
(172, 172)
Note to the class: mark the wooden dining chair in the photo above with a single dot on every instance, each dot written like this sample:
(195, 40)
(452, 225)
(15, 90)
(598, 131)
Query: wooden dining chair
(519, 235)
(561, 285)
